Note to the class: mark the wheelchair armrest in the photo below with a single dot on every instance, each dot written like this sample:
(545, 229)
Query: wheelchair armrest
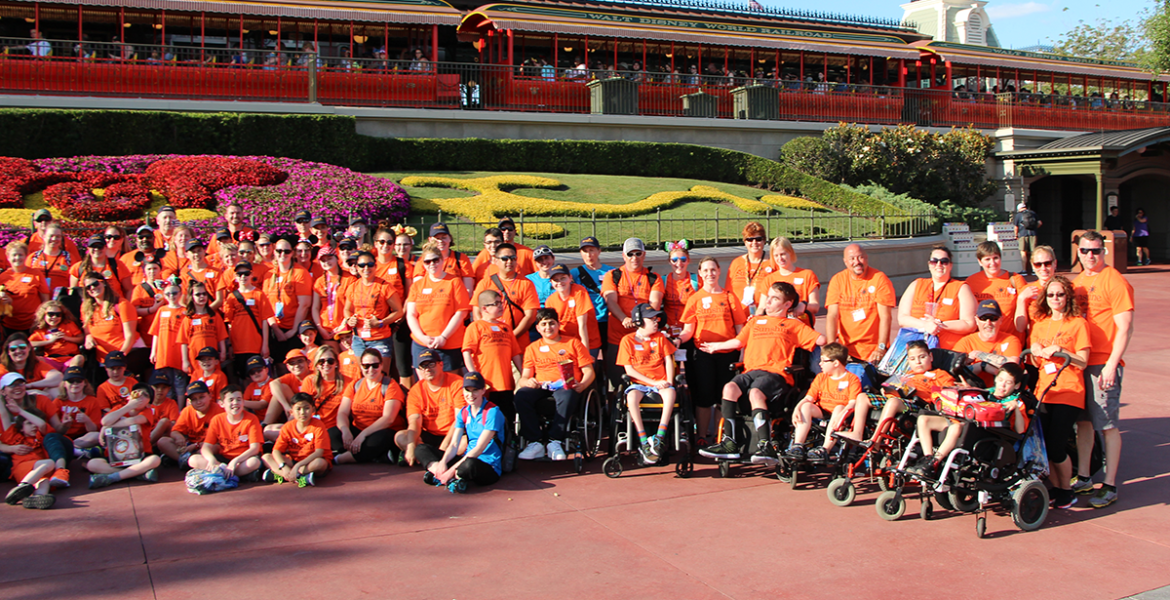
(736, 367)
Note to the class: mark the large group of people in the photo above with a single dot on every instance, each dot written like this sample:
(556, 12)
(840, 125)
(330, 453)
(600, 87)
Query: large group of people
(279, 358)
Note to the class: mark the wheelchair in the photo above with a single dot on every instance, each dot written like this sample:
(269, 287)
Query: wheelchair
(625, 438)
(583, 433)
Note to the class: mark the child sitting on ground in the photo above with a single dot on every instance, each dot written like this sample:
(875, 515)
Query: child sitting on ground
(303, 452)
(833, 393)
(921, 378)
(104, 473)
(233, 439)
(188, 432)
(24, 430)
(482, 423)
(114, 391)
(209, 371)
(647, 356)
(1008, 382)
(164, 411)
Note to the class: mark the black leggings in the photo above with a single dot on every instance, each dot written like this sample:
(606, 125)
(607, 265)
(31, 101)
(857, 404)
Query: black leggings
(472, 469)
(1059, 422)
(374, 447)
(707, 374)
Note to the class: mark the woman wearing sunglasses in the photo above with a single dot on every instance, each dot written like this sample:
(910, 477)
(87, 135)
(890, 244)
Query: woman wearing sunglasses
(326, 385)
(1044, 266)
(939, 306)
(110, 323)
(96, 261)
(56, 334)
(371, 408)
(745, 276)
(38, 374)
(372, 309)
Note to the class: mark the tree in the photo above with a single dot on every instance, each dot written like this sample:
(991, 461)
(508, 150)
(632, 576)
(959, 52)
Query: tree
(1104, 39)
(1156, 28)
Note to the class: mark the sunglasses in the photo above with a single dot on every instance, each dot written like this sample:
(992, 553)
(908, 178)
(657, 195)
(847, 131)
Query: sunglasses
(754, 239)
(20, 346)
(381, 242)
(371, 365)
(53, 315)
(199, 295)
(1056, 294)
(509, 258)
(940, 261)
(93, 286)
(507, 229)
(1093, 251)
(431, 261)
(988, 318)
(302, 220)
(635, 253)
(284, 250)
(327, 361)
(1042, 263)
(113, 236)
(366, 265)
(679, 259)
(244, 273)
(171, 293)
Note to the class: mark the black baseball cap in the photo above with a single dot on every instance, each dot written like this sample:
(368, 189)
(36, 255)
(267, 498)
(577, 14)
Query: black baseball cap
(197, 387)
(115, 359)
(255, 362)
(590, 242)
(207, 352)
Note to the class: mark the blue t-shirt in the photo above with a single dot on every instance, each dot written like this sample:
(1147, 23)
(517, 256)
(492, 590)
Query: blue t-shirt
(599, 305)
(544, 287)
(475, 424)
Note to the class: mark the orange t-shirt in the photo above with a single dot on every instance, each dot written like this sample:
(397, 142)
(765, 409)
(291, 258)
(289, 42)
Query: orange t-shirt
(857, 300)
(261, 392)
(522, 293)
(192, 425)
(36, 242)
(140, 298)
(804, 280)
(436, 302)
(674, 301)
(283, 289)
(569, 310)
(107, 331)
(1102, 296)
(390, 273)
(168, 409)
(112, 397)
(367, 404)
(214, 382)
(242, 329)
(90, 405)
(25, 289)
(234, 439)
(166, 328)
(714, 315)
(22, 464)
(327, 399)
(298, 445)
(1004, 344)
(437, 408)
(493, 346)
(371, 302)
(208, 276)
(332, 294)
(484, 267)
(829, 393)
(54, 269)
(769, 343)
(923, 383)
(348, 365)
(633, 289)
(202, 331)
(1004, 288)
(648, 356)
(132, 263)
(544, 358)
(115, 284)
(456, 265)
(947, 300)
(1072, 334)
(59, 348)
(741, 275)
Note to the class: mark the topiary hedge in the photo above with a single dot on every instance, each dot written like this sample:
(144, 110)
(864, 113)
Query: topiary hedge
(41, 133)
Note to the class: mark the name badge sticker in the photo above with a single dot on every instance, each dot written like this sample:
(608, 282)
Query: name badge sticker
(858, 315)
(948, 301)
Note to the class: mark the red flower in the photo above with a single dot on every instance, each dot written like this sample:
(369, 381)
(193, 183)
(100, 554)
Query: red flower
(190, 181)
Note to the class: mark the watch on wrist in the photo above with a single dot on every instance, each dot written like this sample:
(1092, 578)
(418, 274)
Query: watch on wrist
(882, 346)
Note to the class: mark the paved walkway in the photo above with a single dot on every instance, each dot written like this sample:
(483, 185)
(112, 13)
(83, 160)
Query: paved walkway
(378, 532)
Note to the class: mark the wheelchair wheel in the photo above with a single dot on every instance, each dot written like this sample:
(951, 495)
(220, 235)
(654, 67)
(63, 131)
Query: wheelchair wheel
(784, 471)
(890, 505)
(795, 479)
(684, 468)
(963, 500)
(980, 527)
(612, 467)
(578, 463)
(724, 469)
(885, 476)
(841, 492)
(943, 500)
(927, 510)
(593, 423)
(1030, 506)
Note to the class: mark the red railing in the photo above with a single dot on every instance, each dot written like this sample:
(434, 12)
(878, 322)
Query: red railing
(202, 74)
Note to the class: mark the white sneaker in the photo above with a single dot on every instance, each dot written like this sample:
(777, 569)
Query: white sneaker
(555, 451)
(533, 451)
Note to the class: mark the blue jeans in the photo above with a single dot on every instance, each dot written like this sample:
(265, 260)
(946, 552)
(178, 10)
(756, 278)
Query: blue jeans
(452, 359)
(58, 447)
(382, 346)
(178, 381)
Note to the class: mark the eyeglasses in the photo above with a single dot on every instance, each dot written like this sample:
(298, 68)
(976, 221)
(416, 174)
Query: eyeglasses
(199, 295)
(940, 261)
(284, 250)
(18, 346)
(679, 259)
(170, 293)
(431, 261)
(327, 361)
(755, 239)
(371, 365)
(508, 258)
(1056, 294)
(988, 318)
(635, 253)
(430, 364)
(244, 273)
(366, 265)
(56, 315)
(1042, 263)
(382, 242)
(1093, 251)
(113, 236)
(93, 286)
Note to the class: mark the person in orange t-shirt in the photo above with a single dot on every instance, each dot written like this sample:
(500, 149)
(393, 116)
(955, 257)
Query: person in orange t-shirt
(922, 378)
(110, 324)
(283, 388)
(525, 263)
(326, 385)
(452, 262)
(489, 348)
(203, 327)
(56, 334)
(572, 303)
(804, 281)
(188, 432)
(648, 358)
(96, 261)
(435, 309)
(23, 288)
(247, 312)
(329, 294)
(430, 408)
(1044, 266)
(832, 394)
(147, 297)
(990, 347)
(520, 297)
(860, 304)
(289, 288)
(233, 439)
(769, 342)
(624, 288)
(209, 371)
(680, 285)
(114, 392)
(32, 470)
(53, 260)
(165, 351)
(104, 474)
(996, 283)
(372, 309)
(371, 407)
(163, 411)
(557, 367)
(939, 306)
(745, 275)
(302, 452)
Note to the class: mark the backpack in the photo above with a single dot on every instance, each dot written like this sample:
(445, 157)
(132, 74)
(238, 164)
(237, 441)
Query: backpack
(651, 276)
(1028, 220)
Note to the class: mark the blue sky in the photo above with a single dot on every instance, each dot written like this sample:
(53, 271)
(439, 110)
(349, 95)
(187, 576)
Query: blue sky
(1018, 23)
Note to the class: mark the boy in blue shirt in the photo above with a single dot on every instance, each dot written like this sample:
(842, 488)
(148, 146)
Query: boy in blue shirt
(483, 424)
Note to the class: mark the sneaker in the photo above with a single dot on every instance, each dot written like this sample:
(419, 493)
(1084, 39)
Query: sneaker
(185, 461)
(1062, 499)
(457, 486)
(430, 479)
(270, 476)
(818, 454)
(1082, 486)
(533, 451)
(252, 477)
(647, 453)
(920, 466)
(765, 455)
(149, 476)
(42, 502)
(306, 481)
(1106, 495)
(60, 478)
(727, 449)
(796, 452)
(92, 452)
(18, 493)
(100, 480)
(556, 451)
(656, 444)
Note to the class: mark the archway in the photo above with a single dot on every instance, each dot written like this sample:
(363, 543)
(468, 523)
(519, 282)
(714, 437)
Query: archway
(1152, 193)
(1060, 203)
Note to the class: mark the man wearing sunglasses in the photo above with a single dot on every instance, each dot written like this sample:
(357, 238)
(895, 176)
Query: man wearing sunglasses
(517, 292)
(526, 265)
(623, 289)
(1109, 304)
(144, 251)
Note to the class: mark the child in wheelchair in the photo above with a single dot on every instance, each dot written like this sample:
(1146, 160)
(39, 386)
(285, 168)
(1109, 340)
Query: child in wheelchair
(646, 354)
(916, 385)
(833, 394)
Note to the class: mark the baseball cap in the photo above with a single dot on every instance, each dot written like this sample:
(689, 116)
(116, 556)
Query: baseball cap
(115, 359)
(354, 220)
(302, 215)
(96, 241)
(43, 214)
(633, 244)
(644, 311)
(506, 221)
(590, 242)
(347, 242)
(222, 234)
(10, 378)
(474, 380)
(74, 373)
(197, 387)
(541, 251)
(439, 228)
(988, 308)
(294, 355)
(306, 325)
(167, 208)
(144, 229)
(207, 352)
(157, 378)
(243, 266)
(319, 222)
(193, 244)
(429, 356)
(255, 362)
(1021, 206)
(559, 270)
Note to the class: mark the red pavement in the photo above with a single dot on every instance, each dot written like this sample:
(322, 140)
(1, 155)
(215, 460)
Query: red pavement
(378, 532)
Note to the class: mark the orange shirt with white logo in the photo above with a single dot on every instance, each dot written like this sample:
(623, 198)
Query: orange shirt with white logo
(857, 300)
(493, 346)
(234, 439)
